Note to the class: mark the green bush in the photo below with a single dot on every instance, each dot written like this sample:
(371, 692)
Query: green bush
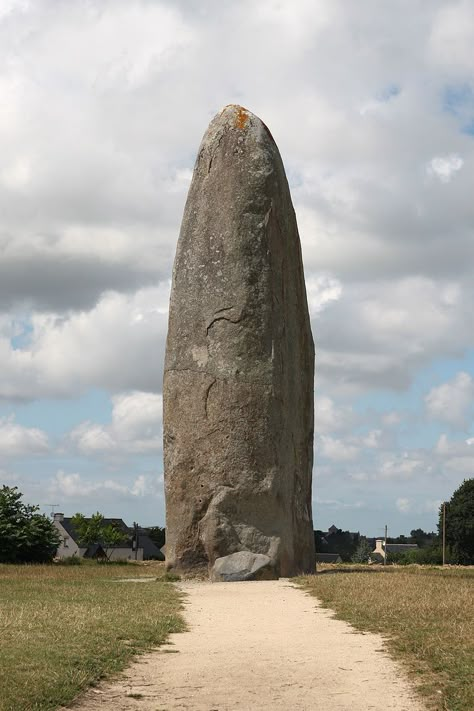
(25, 535)
(363, 553)
(430, 555)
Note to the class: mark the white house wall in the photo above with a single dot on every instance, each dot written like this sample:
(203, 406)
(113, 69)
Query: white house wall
(68, 547)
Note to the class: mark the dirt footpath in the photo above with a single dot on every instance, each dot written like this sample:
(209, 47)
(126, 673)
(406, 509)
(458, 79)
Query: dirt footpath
(259, 646)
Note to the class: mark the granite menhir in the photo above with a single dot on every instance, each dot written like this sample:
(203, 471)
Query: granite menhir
(239, 367)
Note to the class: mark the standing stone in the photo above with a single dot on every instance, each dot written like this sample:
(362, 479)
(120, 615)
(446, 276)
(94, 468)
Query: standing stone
(239, 367)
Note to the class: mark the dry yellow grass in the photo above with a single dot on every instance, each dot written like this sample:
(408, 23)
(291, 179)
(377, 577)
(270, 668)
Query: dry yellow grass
(426, 614)
(63, 628)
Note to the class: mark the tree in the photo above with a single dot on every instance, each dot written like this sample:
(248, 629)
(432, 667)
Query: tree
(25, 535)
(423, 538)
(320, 543)
(362, 553)
(157, 535)
(460, 523)
(342, 542)
(94, 530)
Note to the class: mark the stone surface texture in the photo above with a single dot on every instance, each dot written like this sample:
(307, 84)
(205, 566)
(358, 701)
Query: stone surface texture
(243, 566)
(239, 366)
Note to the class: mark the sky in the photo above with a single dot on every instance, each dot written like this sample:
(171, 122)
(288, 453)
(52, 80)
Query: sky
(103, 104)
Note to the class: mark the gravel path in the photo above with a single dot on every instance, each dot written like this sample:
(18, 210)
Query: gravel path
(259, 646)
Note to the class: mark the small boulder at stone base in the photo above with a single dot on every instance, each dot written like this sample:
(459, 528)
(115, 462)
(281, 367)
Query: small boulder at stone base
(243, 565)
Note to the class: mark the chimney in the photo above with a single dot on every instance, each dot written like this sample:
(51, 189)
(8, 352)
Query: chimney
(379, 546)
(58, 517)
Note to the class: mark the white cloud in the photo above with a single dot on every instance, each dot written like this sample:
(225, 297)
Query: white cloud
(90, 438)
(107, 218)
(457, 456)
(373, 337)
(74, 486)
(336, 450)
(452, 36)
(406, 465)
(444, 167)
(462, 447)
(337, 504)
(432, 505)
(136, 428)
(453, 401)
(140, 486)
(10, 6)
(403, 505)
(329, 416)
(321, 290)
(372, 439)
(391, 419)
(18, 441)
(118, 345)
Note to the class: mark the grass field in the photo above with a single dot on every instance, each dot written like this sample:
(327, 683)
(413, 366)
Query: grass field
(63, 628)
(426, 614)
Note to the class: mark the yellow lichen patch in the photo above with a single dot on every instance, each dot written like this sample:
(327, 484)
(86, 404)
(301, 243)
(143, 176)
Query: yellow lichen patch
(242, 118)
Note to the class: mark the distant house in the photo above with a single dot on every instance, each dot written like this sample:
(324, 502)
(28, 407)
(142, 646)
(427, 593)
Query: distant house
(380, 552)
(328, 558)
(69, 545)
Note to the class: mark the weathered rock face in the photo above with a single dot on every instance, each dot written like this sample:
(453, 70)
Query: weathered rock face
(238, 385)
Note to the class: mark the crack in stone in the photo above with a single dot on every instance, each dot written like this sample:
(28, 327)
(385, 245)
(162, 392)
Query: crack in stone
(206, 396)
(222, 318)
(212, 154)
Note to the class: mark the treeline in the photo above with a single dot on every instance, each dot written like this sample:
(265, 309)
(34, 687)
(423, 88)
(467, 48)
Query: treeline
(455, 527)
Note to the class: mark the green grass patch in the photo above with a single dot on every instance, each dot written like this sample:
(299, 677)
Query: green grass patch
(63, 628)
(426, 615)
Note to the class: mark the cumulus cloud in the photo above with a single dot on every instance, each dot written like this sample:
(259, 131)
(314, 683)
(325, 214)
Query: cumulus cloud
(75, 486)
(391, 419)
(456, 455)
(444, 167)
(18, 441)
(336, 450)
(373, 337)
(118, 345)
(339, 505)
(107, 218)
(321, 290)
(136, 427)
(329, 416)
(452, 35)
(453, 401)
(73, 269)
(403, 504)
(90, 197)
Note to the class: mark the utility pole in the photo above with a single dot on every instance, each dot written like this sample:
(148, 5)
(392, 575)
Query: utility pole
(444, 532)
(385, 556)
(136, 538)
